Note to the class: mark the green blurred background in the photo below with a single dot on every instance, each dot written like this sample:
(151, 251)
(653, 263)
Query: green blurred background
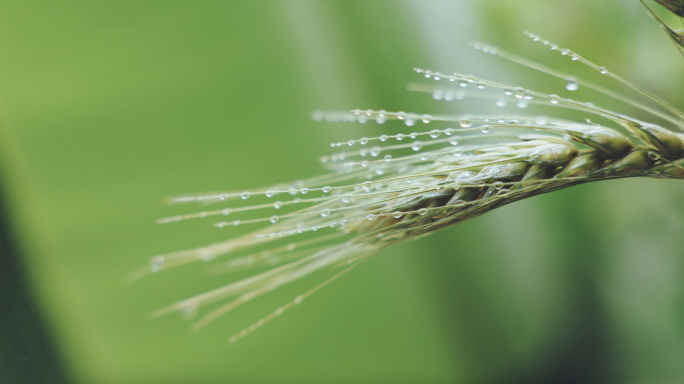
(109, 106)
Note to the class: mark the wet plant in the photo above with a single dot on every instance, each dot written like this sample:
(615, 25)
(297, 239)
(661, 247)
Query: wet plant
(380, 191)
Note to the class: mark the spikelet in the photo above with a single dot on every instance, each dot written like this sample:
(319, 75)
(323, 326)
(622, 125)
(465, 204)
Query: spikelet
(383, 190)
(674, 6)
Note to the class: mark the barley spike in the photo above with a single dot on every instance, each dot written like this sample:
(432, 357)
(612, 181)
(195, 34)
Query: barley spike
(388, 189)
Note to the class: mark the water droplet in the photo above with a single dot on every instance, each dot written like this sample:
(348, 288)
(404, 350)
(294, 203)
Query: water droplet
(383, 137)
(448, 96)
(369, 113)
(350, 143)
(456, 186)
(387, 158)
(298, 299)
(416, 146)
(426, 118)
(463, 83)
(189, 312)
(357, 111)
(223, 196)
(157, 264)
(453, 141)
(422, 211)
(382, 113)
(502, 192)
(363, 140)
(413, 135)
(245, 195)
(270, 193)
(480, 86)
(346, 199)
(409, 122)
(555, 99)
(401, 115)
(207, 255)
(274, 219)
(363, 152)
(370, 216)
(397, 214)
(325, 212)
(519, 92)
(364, 163)
(500, 103)
(380, 120)
(437, 94)
(587, 120)
(508, 91)
(603, 70)
(564, 51)
(571, 85)
(465, 122)
(315, 228)
(326, 189)
(527, 96)
(362, 119)
(574, 57)
(304, 191)
(236, 223)
(522, 104)
(400, 136)
(449, 131)
(375, 151)
(567, 137)
(485, 128)
(367, 185)
(226, 211)
(277, 204)
(435, 133)
(498, 184)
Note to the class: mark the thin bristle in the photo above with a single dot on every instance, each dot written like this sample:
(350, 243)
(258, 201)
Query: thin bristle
(572, 80)
(603, 70)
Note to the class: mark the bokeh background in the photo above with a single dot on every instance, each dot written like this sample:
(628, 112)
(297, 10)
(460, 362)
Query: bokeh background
(109, 106)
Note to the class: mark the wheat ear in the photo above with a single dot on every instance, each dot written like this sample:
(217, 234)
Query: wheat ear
(377, 195)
